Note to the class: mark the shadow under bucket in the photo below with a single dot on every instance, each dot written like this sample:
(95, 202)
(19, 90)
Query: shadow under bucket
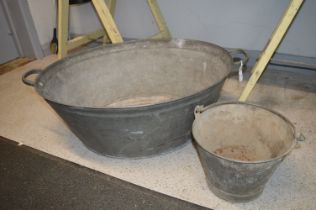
(240, 145)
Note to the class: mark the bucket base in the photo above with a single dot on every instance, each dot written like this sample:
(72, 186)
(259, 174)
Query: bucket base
(231, 197)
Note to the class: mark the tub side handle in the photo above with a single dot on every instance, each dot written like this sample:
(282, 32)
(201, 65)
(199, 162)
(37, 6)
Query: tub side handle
(29, 73)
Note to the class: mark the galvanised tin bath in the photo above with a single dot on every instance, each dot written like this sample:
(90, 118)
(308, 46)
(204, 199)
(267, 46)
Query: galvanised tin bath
(134, 99)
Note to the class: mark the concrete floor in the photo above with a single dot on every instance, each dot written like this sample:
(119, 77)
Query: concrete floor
(25, 117)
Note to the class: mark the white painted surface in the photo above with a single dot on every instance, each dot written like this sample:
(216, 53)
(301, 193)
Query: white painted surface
(240, 23)
(8, 49)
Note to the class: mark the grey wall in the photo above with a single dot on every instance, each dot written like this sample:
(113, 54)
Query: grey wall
(8, 47)
(43, 14)
(22, 28)
(230, 23)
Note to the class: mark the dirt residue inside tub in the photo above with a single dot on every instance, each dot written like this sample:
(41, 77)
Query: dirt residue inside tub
(141, 101)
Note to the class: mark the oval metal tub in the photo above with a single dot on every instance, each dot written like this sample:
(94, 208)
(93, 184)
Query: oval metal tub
(134, 99)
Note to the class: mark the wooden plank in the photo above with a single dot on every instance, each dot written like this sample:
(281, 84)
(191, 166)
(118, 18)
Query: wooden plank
(163, 28)
(13, 64)
(107, 21)
(81, 40)
(63, 16)
(160, 35)
(271, 46)
(112, 5)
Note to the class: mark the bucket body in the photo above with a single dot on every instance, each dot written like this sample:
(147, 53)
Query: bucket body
(134, 99)
(240, 145)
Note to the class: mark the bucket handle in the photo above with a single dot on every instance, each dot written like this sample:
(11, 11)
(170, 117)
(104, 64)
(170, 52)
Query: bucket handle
(29, 73)
(300, 137)
(199, 109)
(239, 51)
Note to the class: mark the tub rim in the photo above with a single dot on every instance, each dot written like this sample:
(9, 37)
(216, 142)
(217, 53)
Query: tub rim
(175, 42)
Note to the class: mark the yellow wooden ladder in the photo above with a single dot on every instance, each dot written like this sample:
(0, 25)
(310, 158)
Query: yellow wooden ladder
(271, 47)
(110, 31)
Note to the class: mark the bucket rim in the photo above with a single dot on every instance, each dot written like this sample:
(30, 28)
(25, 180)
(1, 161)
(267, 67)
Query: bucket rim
(282, 155)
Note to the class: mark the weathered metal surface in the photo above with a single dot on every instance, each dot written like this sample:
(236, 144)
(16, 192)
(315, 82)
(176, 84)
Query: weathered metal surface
(82, 88)
(239, 163)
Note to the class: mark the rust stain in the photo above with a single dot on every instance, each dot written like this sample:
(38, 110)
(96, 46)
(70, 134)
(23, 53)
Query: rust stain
(237, 152)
